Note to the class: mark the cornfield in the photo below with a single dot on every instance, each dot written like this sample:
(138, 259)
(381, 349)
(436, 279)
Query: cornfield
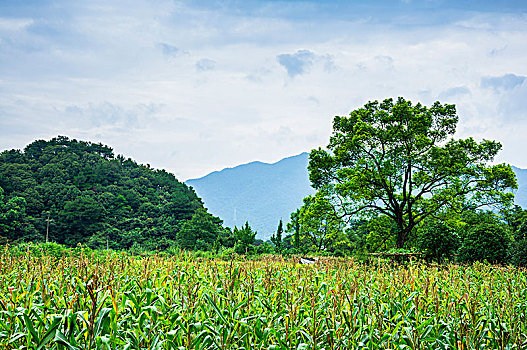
(122, 302)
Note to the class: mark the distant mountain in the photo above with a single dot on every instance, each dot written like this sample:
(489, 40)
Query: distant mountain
(257, 192)
(263, 193)
(520, 195)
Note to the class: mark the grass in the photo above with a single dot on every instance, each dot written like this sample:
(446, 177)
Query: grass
(183, 302)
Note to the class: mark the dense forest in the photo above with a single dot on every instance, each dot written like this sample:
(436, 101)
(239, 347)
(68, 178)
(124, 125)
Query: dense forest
(71, 192)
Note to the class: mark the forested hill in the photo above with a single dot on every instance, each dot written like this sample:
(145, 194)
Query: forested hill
(90, 196)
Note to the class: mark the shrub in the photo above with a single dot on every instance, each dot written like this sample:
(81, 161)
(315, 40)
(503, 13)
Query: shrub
(438, 241)
(203, 254)
(264, 248)
(40, 249)
(228, 253)
(244, 249)
(339, 253)
(489, 240)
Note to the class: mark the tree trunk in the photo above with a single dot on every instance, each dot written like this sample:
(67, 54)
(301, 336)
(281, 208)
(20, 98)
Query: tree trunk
(402, 234)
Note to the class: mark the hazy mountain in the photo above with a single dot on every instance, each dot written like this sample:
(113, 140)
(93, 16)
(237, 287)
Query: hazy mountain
(263, 193)
(520, 195)
(257, 192)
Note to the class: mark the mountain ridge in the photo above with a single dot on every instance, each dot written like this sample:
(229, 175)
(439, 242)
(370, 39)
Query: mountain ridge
(257, 192)
(254, 162)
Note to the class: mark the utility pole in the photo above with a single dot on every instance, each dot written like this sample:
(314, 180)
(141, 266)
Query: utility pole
(47, 228)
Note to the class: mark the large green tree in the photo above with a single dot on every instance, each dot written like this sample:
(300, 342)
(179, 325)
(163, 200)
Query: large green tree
(399, 159)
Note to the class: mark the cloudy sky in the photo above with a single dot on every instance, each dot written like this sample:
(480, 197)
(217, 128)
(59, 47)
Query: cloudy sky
(197, 86)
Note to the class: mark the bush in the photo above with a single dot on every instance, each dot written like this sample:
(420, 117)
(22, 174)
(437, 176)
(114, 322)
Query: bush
(340, 253)
(55, 250)
(244, 249)
(203, 254)
(489, 240)
(519, 253)
(438, 241)
(264, 248)
(228, 253)
(40, 249)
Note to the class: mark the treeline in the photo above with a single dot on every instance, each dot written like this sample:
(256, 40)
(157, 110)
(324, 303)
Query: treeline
(474, 235)
(74, 192)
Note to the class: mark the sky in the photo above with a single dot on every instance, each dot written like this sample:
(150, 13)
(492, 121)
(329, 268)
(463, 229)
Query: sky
(198, 86)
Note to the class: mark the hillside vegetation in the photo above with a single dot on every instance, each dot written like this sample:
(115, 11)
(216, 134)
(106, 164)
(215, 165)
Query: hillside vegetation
(80, 192)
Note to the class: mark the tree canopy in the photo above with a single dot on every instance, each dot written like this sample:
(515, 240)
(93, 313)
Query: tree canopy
(399, 159)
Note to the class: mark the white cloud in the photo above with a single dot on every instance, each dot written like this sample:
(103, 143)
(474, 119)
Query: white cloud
(301, 62)
(512, 104)
(169, 50)
(14, 24)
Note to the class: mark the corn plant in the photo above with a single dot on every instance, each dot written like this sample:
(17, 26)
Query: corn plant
(180, 302)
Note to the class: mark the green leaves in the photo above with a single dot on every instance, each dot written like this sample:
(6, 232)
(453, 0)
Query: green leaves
(319, 224)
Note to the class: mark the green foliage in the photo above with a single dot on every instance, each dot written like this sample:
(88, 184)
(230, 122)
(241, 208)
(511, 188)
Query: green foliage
(200, 232)
(438, 240)
(519, 253)
(397, 159)
(358, 232)
(400, 251)
(264, 248)
(83, 218)
(516, 218)
(294, 227)
(521, 233)
(92, 197)
(245, 238)
(276, 238)
(226, 238)
(52, 249)
(485, 238)
(382, 233)
(12, 215)
(320, 226)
